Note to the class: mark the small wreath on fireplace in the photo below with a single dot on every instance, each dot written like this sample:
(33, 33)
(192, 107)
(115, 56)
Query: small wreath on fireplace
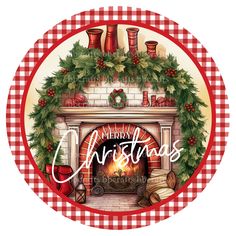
(117, 99)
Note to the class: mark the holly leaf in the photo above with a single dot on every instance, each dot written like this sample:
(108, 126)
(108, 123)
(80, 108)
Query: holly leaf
(143, 63)
(170, 89)
(192, 151)
(81, 74)
(57, 82)
(109, 64)
(72, 86)
(196, 157)
(184, 177)
(48, 124)
(183, 86)
(43, 141)
(157, 68)
(119, 68)
(181, 79)
(39, 131)
(191, 162)
(119, 58)
(184, 157)
(82, 61)
(154, 76)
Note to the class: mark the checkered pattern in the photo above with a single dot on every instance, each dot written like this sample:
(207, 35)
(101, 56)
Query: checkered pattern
(117, 221)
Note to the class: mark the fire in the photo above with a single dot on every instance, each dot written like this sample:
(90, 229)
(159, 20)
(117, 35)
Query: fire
(121, 167)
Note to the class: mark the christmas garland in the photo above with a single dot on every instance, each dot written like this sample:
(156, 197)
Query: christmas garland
(112, 99)
(83, 65)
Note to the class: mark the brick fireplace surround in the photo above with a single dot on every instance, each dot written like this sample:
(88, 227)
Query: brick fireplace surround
(161, 122)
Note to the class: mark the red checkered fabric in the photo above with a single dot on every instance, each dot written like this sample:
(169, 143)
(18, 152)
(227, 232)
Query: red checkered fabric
(125, 221)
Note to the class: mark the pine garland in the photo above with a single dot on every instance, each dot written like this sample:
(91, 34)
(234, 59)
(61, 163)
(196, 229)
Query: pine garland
(83, 65)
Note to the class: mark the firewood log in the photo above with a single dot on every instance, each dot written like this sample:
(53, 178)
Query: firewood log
(160, 194)
(154, 198)
(160, 178)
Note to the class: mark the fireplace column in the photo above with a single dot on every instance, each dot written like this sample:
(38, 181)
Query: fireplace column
(73, 147)
(166, 140)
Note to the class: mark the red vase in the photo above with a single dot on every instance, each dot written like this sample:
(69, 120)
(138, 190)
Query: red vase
(111, 41)
(153, 100)
(133, 39)
(151, 48)
(94, 35)
(145, 102)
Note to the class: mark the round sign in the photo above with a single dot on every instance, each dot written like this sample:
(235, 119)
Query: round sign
(117, 118)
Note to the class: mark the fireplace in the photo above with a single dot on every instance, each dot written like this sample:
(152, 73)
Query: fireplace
(159, 124)
(117, 176)
(125, 168)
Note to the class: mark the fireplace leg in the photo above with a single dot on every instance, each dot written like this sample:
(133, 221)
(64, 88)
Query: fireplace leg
(166, 140)
(73, 151)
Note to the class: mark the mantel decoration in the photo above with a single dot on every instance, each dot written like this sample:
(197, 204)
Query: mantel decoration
(142, 68)
(113, 99)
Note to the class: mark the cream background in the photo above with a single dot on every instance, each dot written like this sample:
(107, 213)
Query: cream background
(165, 47)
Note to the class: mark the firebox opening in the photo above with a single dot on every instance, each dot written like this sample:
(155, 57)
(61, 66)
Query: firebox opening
(120, 176)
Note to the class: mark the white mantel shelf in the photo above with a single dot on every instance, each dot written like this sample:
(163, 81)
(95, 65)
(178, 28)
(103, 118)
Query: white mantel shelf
(107, 114)
(101, 111)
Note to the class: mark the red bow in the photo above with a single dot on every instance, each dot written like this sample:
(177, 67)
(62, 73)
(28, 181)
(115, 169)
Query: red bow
(117, 90)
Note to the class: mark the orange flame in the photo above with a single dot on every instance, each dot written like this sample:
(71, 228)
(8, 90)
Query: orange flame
(120, 166)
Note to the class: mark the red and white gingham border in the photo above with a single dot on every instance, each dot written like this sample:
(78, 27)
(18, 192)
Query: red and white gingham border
(14, 128)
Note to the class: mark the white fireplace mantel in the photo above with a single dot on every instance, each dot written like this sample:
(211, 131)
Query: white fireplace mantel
(74, 115)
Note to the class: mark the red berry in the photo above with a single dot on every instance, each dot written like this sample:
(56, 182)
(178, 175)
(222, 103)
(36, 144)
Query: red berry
(42, 102)
(49, 147)
(189, 107)
(101, 64)
(170, 72)
(192, 141)
(64, 71)
(135, 59)
(51, 92)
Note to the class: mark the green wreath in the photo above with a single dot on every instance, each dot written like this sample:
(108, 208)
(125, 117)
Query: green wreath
(83, 65)
(112, 99)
